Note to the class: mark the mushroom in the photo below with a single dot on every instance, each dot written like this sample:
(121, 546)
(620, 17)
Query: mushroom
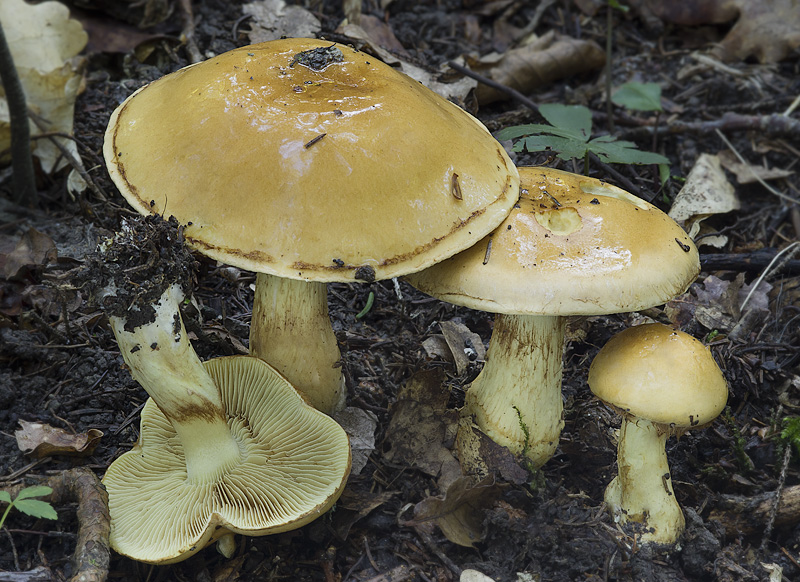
(663, 382)
(226, 446)
(308, 162)
(572, 246)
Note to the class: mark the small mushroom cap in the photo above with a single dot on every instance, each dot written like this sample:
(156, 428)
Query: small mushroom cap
(328, 171)
(666, 376)
(295, 462)
(571, 246)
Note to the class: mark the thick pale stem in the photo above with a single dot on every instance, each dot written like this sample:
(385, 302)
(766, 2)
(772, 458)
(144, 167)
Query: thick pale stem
(519, 388)
(162, 360)
(291, 331)
(642, 491)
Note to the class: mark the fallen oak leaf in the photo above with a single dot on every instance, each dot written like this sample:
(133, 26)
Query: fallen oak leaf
(768, 29)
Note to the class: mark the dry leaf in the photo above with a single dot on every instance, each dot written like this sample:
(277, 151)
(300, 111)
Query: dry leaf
(767, 29)
(481, 456)
(43, 440)
(360, 426)
(34, 249)
(548, 58)
(421, 428)
(459, 514)
(44, 42)
(274, 19)
(462, 343)
(355, 505)
(456, 91)
(749, 173)
(706, 192)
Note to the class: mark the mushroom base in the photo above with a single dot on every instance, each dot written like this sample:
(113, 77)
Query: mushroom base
(642, 491)
(291, 331)
(516, 399)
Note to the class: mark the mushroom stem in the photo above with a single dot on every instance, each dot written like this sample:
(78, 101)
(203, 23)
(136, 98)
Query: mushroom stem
(291, 330)
(524, 358)
(642, 490)
(162, 360)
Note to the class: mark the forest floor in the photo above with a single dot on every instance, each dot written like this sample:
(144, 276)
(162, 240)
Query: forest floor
(60, 366)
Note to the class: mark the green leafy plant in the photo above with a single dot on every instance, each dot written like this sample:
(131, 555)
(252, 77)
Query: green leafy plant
(28, 506)
(790, 434)
(570, 134)
(638, 96)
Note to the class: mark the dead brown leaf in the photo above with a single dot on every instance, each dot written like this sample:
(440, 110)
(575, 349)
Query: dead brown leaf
(421, 429)
(34, 249)
(481, 456)
(548, 58)
(767, 29)
(459, 514)
(461, 340)
(42, 440)
(355, 505)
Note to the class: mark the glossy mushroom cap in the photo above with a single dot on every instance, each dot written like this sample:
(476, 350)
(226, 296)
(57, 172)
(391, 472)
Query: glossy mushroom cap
(326, 165)
(659, 374)
(295, 462)
(572, 246)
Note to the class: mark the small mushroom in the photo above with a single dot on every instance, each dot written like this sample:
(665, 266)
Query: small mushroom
(572, 246)
(663, 382)
(226, 446)
(308, 162)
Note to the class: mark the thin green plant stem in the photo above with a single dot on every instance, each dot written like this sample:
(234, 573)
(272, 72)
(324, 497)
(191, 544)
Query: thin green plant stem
(24, 179)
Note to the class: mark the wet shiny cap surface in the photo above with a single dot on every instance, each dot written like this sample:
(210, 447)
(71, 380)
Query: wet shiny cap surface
(571, 246)
(311, 160)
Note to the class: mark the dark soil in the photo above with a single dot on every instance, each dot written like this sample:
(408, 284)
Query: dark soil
(60, 365)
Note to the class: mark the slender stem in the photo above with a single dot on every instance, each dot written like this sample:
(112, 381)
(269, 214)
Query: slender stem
(162, 360)
(291, 330)
(642, 491)
(21, 159)
(516, 399)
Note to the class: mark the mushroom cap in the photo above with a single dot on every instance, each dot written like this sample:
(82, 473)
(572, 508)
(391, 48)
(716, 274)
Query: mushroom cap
(332, 171)
(654, 372)
(295, 462)
(571, 246)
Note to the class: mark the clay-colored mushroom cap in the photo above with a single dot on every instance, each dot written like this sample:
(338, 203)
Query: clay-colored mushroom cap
(572, 246)
(310, 165)
(666, 376)
(295, 461)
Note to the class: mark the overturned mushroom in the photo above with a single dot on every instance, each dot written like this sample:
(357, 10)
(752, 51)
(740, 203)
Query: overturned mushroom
(308, 162)
(225, 446)
(572, 246)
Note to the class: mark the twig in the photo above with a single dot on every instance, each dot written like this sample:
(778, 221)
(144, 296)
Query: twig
(21, 159)
(787, 454)
(513, 93)
(752, 171)
(792, 249)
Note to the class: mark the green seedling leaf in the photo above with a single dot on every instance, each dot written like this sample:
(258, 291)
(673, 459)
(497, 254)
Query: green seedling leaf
(35, 491)
(36, 508)
(574, 120)
(638, 96)
(569, 136)
(28, 506)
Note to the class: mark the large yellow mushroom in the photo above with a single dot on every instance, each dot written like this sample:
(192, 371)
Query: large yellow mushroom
(308, 162)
